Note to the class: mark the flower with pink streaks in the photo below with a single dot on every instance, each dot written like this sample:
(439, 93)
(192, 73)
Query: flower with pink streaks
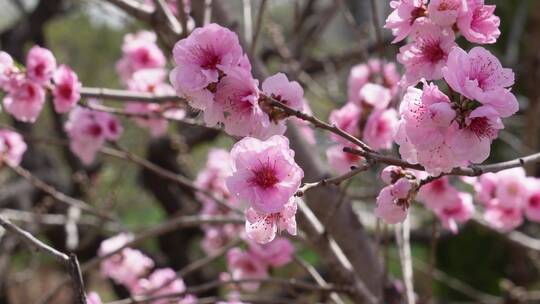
(126, 267)
(479, 24)
(478, 75)
(341, 161)
(458, 210)
(40, 65)
(532, 201)
(427, 54)
(12, 147)
(88, 130)
(503, 218)
(276, 253)
(406, 13)
(243, 265)
(263, 227)
(446, 12)
(139, 51)
(472, 143)
(511, 190)
(380, 128)
(66, 89)
(161, 281)
(264, 173)
(290, 93)
(438, 194)
(375, 95)
(347, 118)
(24, 100)
(393, 201)
(202, 59)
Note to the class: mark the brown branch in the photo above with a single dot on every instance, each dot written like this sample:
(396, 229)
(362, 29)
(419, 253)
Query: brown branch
(334, 180)
(258, 27)
(124, 95)
(317, 277)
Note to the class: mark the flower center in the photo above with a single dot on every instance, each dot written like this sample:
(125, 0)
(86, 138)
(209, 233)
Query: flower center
(65, 90)
(534, 201)
(95, 130)
(481, 127)
(264, 176)
(433, 52)
(417, 13)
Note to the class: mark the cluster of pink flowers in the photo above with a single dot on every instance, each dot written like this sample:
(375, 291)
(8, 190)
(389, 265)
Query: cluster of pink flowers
(88, 130)
(12, 147)
(265, 175)
(142, 69)
(26, 90)
(132, 269)
(368, 113)
(254, 262)
(507, 197)
(432, 28)
(212, 178)
(214, 75)
(395, 198)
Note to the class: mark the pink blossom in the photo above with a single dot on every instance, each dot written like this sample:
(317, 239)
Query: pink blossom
(459, 210)
(6, 68)
(380, 128)
(162, 281)
(478, 24)
(511, 190)
(427, 54)
(93, 298)
(263, 227)
(12, 147)
(264, 173)
(438, 194)
(480, 76)
(304, 127)
(276, 253)
(212, 176)
(393, 201)
(485, 188)
(202, 59)
(114, 243)
(473, 142)
(532, 201)
(404, 16)
(244, 265)
(391, 174)
(375, 96)
(503, 218)
(126, 267)
(140, 51)
(88, 130)
(24, 100)
(40, 65)
(340, 161)
(446, 12)
(358, 77)
(66, 90)
(287, 92)
(347, 118)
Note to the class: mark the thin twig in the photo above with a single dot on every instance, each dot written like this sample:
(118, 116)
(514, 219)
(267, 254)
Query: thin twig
(124, 95)
(317, 277)
(332, 181)
(258, 27)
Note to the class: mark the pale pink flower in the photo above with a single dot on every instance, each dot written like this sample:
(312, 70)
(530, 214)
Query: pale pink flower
(503, 218)
(202, 59)
(532, 201)
(244, 265)
(305, 127)
(277, 253)
(380, 128)
(341, 161)
(263, 227)
(114, 243)
(40, 65)
(427, 54)
(478, 24)
(24, 100)
(391, 174)
(347, 118)
(438, 194)
(375, 95)
(93, 298)
(66, 90)
(212, 176)
(407, 151)
(479, 75)
(393, 201)
(472, 143)
(405, 14)
(358, 77)
(126, 267)
(157, 126)
(511, 190)
(485, 188)
(163, 281)
(6, 68)
(446, 12)
(459, 210)
(290, 93)
(140, 51)
(12, 147)
(264, 173)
